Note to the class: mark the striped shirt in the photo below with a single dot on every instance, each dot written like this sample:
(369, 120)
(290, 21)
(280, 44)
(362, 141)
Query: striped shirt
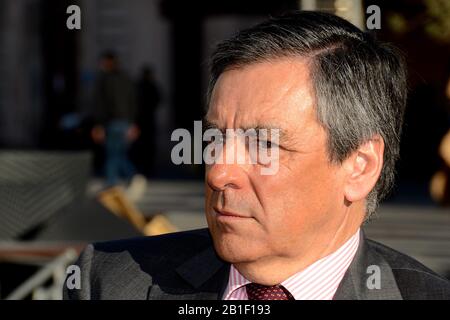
(319, 281)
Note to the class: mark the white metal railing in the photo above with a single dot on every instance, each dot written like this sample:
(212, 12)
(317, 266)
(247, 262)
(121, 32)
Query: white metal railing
(55, 269)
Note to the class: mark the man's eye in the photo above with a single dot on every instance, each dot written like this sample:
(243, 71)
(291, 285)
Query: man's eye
(266, 144)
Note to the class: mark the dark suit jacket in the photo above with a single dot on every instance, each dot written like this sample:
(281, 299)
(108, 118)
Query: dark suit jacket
(184, 265)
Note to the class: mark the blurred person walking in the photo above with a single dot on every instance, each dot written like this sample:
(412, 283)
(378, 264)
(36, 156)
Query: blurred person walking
(115, 114)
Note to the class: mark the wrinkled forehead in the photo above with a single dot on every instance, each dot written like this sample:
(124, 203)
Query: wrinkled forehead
(278, 92)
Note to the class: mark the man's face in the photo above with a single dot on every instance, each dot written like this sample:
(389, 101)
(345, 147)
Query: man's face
(288, 213)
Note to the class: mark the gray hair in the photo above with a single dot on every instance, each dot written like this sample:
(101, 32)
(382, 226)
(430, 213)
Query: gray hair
(360, 83)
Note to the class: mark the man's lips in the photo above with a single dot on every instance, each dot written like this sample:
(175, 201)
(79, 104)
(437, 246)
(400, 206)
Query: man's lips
(226, 213)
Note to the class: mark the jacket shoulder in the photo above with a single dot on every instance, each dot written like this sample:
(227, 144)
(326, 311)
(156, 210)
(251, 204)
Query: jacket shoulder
(415, 281)
(124, 269)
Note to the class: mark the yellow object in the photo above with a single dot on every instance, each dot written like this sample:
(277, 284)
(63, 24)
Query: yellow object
(159, 225)
(444, 148)
(437, 186)
(115, 200)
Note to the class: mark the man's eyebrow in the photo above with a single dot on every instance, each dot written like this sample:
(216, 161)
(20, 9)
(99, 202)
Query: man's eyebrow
(209, 125)
(281, 132)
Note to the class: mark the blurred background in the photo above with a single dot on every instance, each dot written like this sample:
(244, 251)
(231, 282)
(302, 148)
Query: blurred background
(65, 183)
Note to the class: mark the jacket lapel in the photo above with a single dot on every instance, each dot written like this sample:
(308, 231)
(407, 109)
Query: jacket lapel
(354, 285)
(206, 274)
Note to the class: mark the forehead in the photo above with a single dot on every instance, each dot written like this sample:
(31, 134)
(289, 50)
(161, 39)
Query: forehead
(277, 92)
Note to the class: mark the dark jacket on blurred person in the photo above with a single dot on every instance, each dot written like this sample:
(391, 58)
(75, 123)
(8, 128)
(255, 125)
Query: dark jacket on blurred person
(184, 265)
(114, 98)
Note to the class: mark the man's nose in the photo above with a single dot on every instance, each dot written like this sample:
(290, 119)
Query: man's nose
(229, 172)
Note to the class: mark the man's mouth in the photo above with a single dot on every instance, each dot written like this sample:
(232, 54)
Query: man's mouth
(228, 214)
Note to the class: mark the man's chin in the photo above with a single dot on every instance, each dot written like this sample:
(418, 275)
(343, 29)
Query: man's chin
(234, 249)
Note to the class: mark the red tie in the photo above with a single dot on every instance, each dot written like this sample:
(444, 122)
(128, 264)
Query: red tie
(260, 292)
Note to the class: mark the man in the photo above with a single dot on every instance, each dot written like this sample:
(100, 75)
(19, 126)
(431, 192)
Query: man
(337, 97)
(115, 113)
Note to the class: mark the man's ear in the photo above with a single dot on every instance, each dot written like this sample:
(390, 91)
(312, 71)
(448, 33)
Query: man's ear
(363, 169)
